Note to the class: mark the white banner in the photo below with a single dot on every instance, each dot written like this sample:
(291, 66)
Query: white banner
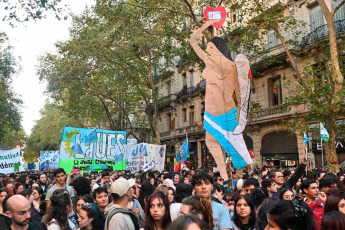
(49, 160)
(145, 157)
(10, 161)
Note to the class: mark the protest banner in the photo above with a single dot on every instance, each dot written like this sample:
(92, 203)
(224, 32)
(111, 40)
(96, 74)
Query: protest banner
(10, 161)
(49, 160)
(94, 149)
(145, 157)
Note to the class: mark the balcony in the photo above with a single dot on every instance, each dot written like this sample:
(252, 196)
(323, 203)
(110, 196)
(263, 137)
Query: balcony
(186, 92)
(321, 32)
(270, 111)
(181, 132)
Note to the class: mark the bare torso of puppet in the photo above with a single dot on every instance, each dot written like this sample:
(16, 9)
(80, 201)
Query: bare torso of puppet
(221, 78)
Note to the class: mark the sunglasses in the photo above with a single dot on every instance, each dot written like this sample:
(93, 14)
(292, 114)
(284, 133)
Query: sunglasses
(220, 179)
(228, 200)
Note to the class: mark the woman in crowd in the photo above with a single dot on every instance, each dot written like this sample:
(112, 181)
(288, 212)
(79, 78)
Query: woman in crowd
(182, 191)
(189, 222)
(157, 212)
(57, 213)
(198, 206)
(146, 190)
(24, 180)
(3, 195)
(9, 185)
(38, 203)
(286, 194)
(82, 200)
(18, 188)
(332, 203)
(244, 215)
(261, 218)
(87, 217)
(171, 195)
(290, 214)
(333, 220)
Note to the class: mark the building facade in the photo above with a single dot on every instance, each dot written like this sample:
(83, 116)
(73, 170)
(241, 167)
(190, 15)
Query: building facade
(182, 95)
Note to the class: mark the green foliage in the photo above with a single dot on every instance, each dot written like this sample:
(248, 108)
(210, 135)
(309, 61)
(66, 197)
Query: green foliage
(25, 10)
(10, 116)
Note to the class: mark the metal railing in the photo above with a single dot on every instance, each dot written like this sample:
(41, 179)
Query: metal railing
(191, 90)
(274, 110)
(321, 32)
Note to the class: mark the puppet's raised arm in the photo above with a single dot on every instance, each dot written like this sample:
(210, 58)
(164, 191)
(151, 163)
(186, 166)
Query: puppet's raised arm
(194, 43)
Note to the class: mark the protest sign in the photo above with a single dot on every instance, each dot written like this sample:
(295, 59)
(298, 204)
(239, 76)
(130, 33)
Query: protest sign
(93, 149)
(49, 160)
(145, 157)
(10, 161)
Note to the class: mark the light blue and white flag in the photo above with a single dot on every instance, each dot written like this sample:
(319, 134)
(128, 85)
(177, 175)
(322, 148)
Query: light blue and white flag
(305, 138)
(324, 133)
(183, 153)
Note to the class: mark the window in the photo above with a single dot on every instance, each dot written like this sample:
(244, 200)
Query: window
(272, 39)
(274, 91)
(169, 87)
(184, 115)
(316, 18)
(340, 14)
(191, 78)
(168, 122)
(191, 117)
(184, 80)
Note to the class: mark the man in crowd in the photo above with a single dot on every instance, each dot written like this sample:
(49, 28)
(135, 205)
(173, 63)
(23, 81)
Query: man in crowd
(278, 176)
(202, 185)
(314, 201)
(18, 210)
(101, 199)
(327, 183)
(104, 179)
(250, 184)
(270, 186)
(118, 215)
(60, 178)
(42, 181)
(176, 179)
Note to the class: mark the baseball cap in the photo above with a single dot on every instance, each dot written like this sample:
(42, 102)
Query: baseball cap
(120, 186)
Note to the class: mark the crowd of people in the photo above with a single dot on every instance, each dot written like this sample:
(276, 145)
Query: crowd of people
(267, 198)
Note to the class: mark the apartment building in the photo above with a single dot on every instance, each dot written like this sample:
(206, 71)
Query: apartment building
(182, 94)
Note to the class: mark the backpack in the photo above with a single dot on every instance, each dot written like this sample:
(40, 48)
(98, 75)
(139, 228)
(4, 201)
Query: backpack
(134, 217)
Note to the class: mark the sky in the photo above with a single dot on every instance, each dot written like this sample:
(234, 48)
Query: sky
(30, 40)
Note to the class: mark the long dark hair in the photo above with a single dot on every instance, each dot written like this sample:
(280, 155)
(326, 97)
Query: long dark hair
(91, 214)
(333, 220)
(332, 203)
(293, 214)
(58, 210)
(236, 218)
(149, 221)
(261, 218)
(222, 47)
(200, 206)
(183, 222)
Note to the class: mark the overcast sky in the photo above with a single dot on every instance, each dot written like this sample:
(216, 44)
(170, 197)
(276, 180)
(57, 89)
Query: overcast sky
(30, 40)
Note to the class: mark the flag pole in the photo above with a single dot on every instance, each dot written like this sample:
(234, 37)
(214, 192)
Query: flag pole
(188, 149)
(321, 155)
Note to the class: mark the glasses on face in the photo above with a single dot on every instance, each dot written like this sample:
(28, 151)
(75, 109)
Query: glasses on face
(228, 200)
(220, 179)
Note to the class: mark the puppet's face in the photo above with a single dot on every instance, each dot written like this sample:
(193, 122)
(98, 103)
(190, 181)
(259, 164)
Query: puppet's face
(212, 51)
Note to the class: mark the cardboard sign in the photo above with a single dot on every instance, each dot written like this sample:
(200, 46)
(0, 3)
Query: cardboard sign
(218, 13)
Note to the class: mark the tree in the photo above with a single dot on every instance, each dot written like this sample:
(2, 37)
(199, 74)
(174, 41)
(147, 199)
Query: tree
(25, 10)
(320, 80)
(10, 116)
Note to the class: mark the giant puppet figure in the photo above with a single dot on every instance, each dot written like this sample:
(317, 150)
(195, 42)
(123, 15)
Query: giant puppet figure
(223, 121)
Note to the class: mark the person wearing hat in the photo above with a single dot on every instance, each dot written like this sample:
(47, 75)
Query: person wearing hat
(118, 215)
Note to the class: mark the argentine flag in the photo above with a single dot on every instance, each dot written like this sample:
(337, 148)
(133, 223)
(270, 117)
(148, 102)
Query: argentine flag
(183, 153)
(324, 133)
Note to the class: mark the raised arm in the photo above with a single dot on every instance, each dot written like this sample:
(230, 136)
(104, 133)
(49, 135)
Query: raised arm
(192, 40)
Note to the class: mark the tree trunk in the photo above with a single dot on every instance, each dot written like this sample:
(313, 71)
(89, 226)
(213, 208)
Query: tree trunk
(330, 148)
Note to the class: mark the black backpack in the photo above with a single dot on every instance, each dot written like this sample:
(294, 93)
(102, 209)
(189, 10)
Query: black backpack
(135, 218)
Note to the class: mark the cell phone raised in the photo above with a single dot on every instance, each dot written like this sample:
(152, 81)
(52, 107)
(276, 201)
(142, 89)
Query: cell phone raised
(76, 171)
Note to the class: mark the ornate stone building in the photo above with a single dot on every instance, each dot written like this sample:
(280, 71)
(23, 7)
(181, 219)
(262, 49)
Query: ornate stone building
(182, 105)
